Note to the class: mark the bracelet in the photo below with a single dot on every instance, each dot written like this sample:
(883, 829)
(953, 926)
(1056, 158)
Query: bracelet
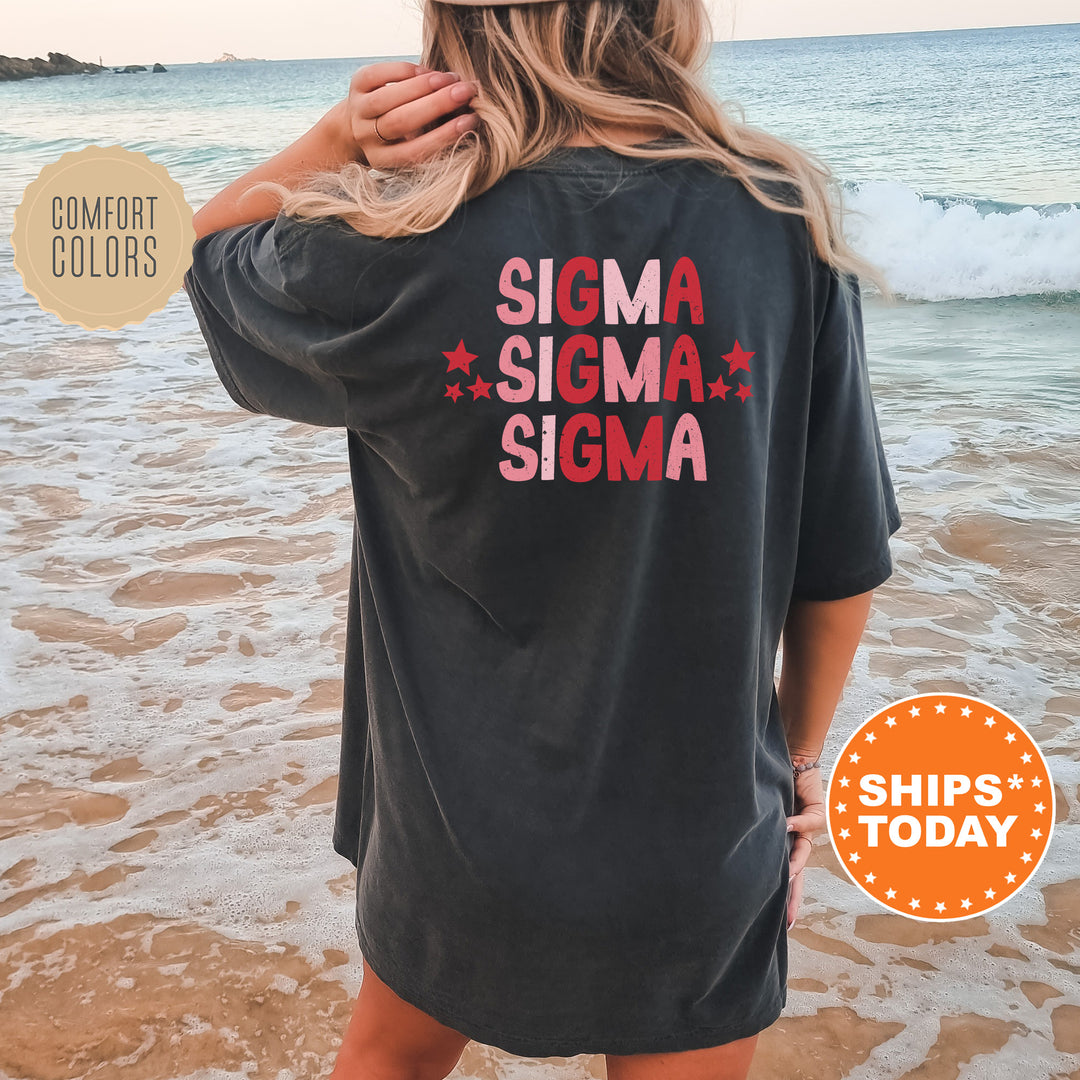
(796, 769)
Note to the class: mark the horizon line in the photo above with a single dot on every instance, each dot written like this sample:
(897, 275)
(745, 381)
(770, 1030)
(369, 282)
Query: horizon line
(715, 41)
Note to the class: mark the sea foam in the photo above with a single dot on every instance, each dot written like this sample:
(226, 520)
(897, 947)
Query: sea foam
(934, 247)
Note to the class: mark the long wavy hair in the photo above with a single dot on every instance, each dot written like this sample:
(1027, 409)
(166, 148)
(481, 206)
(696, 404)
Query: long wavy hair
(550, 72)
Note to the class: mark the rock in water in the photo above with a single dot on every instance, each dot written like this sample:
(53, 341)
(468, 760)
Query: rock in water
(14, 67)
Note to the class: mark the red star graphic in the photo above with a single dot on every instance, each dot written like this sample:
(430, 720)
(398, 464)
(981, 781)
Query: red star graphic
(460, 357)
(453, 391)
(738, 359)
(480, 388)
(719, 388)
(743, 392)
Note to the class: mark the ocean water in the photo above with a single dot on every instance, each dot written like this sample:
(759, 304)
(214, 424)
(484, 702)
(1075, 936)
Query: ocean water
(175, 570)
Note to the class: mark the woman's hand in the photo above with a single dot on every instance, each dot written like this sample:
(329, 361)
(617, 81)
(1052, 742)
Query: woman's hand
(808, 820)
(405, 99)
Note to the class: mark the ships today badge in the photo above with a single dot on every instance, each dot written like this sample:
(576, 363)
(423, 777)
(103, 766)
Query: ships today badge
(941, 807)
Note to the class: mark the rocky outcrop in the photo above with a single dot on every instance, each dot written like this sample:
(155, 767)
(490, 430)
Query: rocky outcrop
(14, 67)
(228, 58)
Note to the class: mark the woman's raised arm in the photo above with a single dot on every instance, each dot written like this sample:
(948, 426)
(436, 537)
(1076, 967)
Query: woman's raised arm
(404, 97)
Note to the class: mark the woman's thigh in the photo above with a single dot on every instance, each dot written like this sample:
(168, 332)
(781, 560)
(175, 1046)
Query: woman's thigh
(389, 1039)
(728, 1062)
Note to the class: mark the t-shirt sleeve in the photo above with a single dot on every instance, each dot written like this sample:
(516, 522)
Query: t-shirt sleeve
(245, 285)
(848, 509)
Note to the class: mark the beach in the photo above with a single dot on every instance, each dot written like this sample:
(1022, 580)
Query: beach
(175, 588)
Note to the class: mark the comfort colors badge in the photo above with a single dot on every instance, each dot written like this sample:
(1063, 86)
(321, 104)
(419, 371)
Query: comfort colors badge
(940, 807)
(103, 237)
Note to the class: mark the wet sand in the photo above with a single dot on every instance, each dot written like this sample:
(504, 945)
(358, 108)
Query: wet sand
(170, 903)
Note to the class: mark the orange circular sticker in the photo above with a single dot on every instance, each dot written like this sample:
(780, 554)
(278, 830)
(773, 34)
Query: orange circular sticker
(103, 237)
(940, 807)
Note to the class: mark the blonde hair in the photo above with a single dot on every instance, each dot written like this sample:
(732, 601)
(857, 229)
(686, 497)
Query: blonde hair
(548, 72)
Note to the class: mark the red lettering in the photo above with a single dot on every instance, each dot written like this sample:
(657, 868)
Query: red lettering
(592, 451)
(650, 451)
(574, 316)
(684, 287)
(684, 363)
(590, 373)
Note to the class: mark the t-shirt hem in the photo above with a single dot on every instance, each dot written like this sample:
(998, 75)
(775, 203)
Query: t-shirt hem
(563, 1044)
(204, 314)
(343, 849)
(842, 588)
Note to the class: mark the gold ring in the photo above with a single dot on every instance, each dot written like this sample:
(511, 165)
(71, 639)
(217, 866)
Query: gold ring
(377, 132)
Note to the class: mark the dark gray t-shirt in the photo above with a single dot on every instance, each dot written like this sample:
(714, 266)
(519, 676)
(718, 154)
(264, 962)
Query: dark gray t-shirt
(603, 424)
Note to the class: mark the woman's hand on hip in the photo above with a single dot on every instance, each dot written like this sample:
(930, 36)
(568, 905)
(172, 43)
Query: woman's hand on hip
(405, 99)
(807, 821)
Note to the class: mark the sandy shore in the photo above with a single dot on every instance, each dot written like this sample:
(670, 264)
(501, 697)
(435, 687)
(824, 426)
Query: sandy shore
(170, 904)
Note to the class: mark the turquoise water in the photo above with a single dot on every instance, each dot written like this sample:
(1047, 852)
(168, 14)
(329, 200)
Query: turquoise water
(180, 565)
(980, 114)
(959, 155)
(958, 152)
(962, 147)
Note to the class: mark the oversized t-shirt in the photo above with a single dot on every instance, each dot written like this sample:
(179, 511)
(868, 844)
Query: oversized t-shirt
(603, 425)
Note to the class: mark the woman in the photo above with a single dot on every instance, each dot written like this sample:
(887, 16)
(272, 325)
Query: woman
(597, 349)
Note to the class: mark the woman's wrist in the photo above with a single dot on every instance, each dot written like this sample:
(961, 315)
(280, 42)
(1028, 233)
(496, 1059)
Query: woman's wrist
(337, 131)
(326, 145)
(804, 762)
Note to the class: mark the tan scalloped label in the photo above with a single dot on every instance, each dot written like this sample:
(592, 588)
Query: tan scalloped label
(103, 237)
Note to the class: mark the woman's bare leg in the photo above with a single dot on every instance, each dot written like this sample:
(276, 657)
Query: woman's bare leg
(728, 1062)
(389, 1039)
